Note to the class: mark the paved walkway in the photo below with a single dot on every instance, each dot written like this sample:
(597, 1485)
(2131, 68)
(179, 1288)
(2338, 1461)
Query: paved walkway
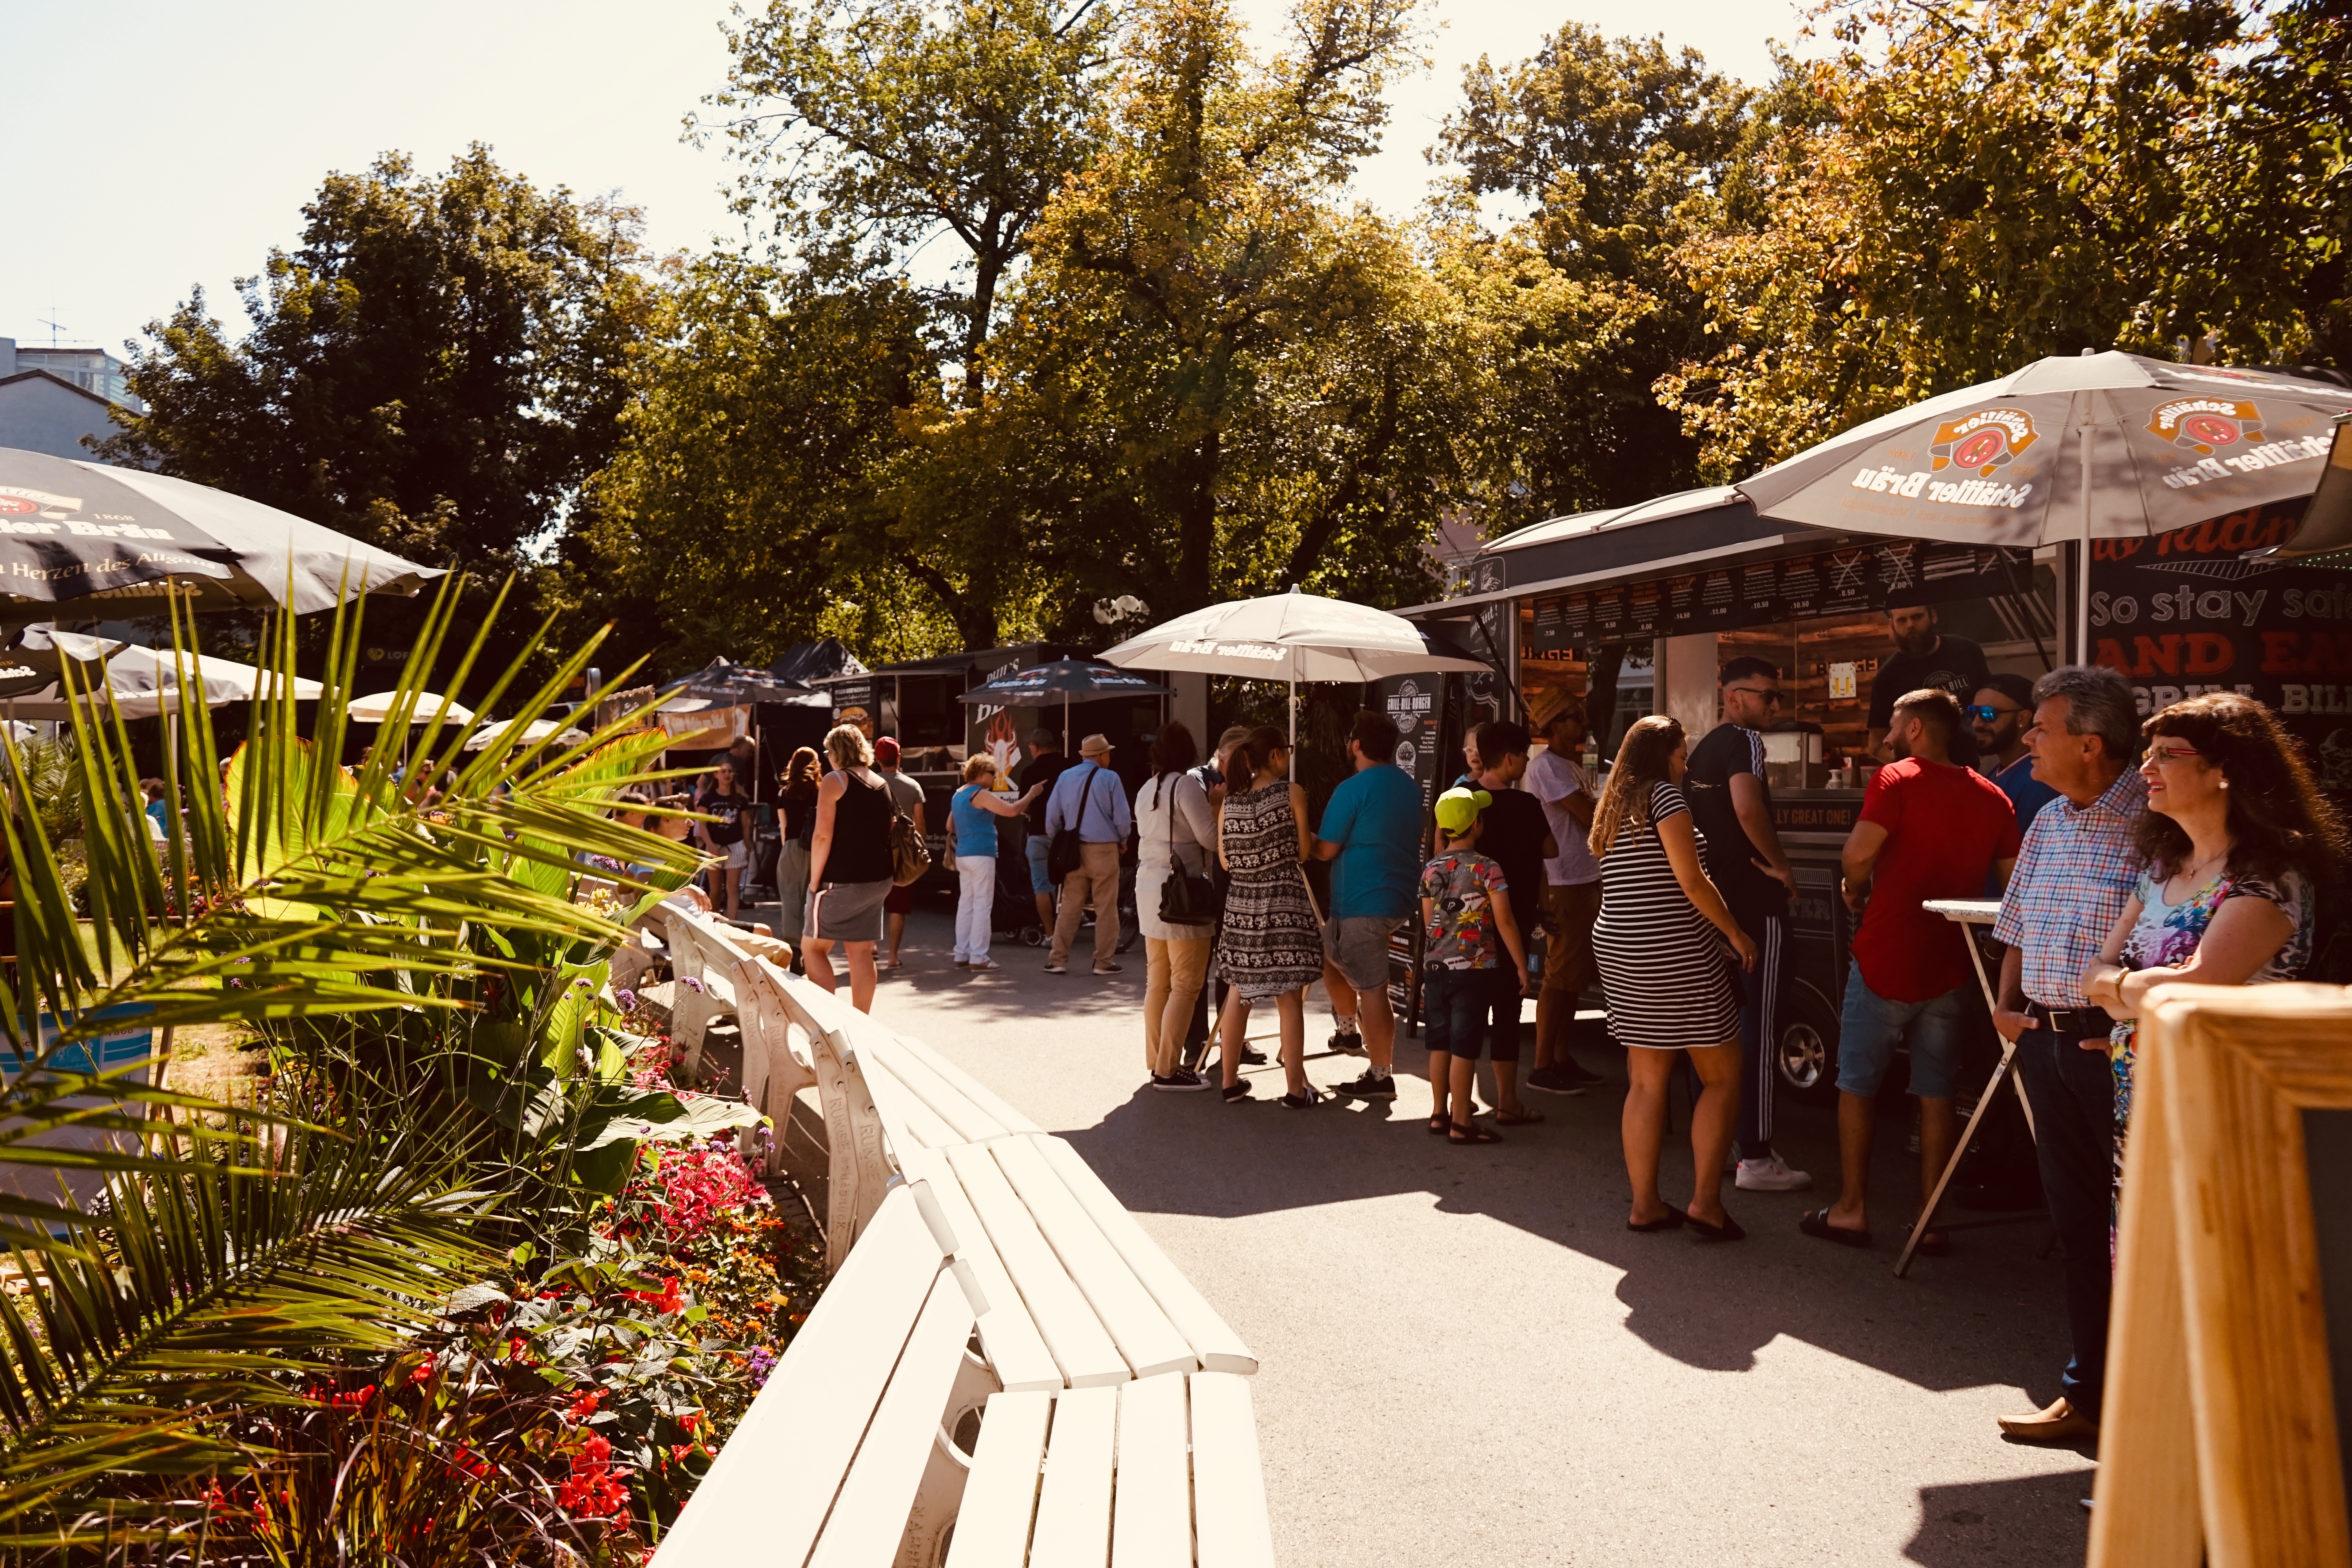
(1467, 1359)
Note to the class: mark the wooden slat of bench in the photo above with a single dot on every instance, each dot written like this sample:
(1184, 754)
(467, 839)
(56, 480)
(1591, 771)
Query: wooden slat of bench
(972, 1088)
(1211, 1338)
(1068, 1323)
(972, 1122)
(1016, 1353)
(769, 1491)
(869, 1516)
(1143, 1333)
(1152, 1524)
(904, 1115)
(1000, 1496)
(1228, 1483)
(1074, 1502)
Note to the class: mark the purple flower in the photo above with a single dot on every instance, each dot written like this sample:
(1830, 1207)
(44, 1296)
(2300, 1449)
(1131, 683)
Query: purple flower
(688, 980)
(762, 1361)
(627, 999)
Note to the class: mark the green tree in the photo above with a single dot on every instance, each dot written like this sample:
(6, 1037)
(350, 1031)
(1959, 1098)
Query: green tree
(1218, 378)
(744, 510)
(436, 368)
(1609, 142)
(1976, 186)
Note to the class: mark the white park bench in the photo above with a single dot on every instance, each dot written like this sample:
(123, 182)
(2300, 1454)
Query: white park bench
(877, 1443)
(1159, 1473)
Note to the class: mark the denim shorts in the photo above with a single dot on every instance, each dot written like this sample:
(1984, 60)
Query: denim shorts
(1038, 881)
(1873, 1025)
(1455, 1003)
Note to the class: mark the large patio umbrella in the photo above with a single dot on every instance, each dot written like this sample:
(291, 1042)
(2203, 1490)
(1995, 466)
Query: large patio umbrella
(1291, 637)
(143, 681)
(425, 708)
(1070, 679)
(2104, 446)
(75, 532)
(726, 682)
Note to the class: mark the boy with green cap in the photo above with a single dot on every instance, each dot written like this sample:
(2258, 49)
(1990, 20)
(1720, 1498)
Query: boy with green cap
(1466, 916)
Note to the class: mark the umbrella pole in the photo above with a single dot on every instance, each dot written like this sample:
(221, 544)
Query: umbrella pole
(2082, 564)
(1065, 723)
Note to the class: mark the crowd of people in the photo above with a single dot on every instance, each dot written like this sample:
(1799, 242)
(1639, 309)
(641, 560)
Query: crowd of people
(2192, 847)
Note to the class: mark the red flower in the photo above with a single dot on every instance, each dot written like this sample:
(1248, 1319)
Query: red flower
(585, 1407)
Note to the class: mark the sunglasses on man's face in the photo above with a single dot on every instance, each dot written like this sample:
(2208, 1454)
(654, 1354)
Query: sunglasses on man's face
(1772, 695)
(1986, 713)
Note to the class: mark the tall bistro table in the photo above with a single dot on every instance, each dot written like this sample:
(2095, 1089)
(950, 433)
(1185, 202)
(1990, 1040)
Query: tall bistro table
(1969, 913)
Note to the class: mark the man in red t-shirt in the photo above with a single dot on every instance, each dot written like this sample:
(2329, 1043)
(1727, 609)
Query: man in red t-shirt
(1928, 830)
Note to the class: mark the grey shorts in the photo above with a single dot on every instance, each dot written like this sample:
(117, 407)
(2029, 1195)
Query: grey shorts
(1358, 947)
(847, 911)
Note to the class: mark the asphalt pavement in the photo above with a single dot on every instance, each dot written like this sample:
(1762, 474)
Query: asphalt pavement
(1467, 1359)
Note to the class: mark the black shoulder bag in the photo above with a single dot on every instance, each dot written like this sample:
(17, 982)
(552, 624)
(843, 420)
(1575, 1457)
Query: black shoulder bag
(1066, 851)
(1186, 897)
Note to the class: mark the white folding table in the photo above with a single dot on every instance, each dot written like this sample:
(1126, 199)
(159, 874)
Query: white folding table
(1969, 913)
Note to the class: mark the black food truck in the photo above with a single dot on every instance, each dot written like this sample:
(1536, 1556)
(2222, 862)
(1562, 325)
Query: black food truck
(1637, 607)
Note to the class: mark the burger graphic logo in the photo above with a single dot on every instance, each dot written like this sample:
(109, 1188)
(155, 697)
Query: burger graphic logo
(2206, 425)
(1983, 442)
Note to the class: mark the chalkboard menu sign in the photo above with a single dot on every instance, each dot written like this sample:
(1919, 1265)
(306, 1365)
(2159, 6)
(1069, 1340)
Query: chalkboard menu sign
(1759, 593)
(1645, 610)
(1576, 618)
(1846, 583)
(1416, 703)
(1608, 623)
(1550, 633)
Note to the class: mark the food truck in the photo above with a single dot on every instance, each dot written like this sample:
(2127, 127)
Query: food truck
(1637, 607)
(919, 705)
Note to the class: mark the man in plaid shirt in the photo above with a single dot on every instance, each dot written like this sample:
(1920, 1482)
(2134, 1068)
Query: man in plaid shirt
(2074, 874)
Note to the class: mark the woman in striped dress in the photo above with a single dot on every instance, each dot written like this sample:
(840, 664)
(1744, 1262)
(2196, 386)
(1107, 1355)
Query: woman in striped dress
(1269, 944)
(1660, 944)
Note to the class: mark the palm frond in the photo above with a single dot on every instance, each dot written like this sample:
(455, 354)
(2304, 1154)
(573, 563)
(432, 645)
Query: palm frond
(220, 1286)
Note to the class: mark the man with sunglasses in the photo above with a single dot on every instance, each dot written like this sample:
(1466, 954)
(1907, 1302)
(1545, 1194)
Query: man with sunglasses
(2001, 714)
(1725, 788)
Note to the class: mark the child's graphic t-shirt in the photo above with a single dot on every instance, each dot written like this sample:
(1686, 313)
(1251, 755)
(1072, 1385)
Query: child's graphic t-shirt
(1462, 886)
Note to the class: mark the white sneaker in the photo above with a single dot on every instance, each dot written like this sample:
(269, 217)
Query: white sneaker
(1771, 1175)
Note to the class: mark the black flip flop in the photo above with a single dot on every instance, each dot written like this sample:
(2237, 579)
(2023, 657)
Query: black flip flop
(1728, 1231)
(1462, 1137)
(1651, 1227)
(1816, 1222)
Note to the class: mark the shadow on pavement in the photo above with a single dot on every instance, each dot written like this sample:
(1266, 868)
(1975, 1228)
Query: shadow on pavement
(1988, 1314)
(2003, 1522)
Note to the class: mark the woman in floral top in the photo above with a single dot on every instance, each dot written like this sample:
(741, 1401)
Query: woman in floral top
(2236, 836)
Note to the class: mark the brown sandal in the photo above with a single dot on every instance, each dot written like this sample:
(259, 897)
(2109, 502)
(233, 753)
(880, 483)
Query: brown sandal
(1439, 1123)
(1523, 1119)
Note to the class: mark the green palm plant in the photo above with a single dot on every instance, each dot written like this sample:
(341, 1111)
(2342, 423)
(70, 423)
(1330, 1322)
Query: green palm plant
(425, 920)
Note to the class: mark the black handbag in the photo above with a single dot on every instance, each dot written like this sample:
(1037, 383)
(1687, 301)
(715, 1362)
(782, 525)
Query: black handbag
(1186, 897)
(1066, 851)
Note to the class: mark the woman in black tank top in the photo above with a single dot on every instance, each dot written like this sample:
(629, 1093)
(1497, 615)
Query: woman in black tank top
(850, 864)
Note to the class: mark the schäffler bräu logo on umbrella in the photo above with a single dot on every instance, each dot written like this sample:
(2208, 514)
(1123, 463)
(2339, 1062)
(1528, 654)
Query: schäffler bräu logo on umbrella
(2227, 436)
(2202, 424)
(1984, 442)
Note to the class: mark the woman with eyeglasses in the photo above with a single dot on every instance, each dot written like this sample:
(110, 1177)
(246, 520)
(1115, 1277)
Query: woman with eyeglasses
(2236, 838)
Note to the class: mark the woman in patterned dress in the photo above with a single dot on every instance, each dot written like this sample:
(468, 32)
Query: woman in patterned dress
(1269, 944)
(2236, 836)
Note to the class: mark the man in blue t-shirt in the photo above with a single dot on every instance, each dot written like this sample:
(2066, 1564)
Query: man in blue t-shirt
(1371, 836)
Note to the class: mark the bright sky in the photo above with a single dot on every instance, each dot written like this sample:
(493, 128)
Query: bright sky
(149, 146)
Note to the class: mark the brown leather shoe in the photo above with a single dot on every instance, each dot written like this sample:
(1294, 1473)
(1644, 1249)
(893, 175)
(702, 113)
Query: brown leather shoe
(2058, 1423)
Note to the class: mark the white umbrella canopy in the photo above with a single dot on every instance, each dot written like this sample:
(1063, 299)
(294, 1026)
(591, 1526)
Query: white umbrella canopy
(144, 681)
(426, 708)
(1289, 637)
(75, 530)
(2104, 446)
(530, 734)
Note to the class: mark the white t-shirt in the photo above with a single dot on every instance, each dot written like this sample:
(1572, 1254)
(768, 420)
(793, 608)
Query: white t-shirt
(1552, 779)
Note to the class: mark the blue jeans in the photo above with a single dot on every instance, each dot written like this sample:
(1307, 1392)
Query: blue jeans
(2073, 1092)
(1455, 1003)
(1873, 1025)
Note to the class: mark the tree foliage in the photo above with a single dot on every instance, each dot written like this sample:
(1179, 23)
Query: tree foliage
(434, 368)
(1973, 186)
